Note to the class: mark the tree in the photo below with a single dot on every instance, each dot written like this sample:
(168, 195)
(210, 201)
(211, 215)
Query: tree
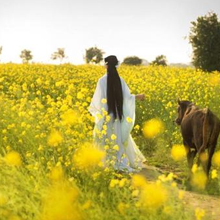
(134, 60)
(160, 60)
(94, 55)
(205, 39)
(59, 54)
(0, 50)
(26, 56)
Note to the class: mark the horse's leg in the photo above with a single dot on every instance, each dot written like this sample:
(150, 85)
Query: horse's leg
(190, 157)
(212, 145)
(198, 144)
(191, 153)
(211, 150)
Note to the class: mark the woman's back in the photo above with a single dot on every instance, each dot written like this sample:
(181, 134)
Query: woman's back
(113, 107)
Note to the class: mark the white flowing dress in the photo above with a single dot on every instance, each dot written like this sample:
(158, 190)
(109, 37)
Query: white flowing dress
(128, 156)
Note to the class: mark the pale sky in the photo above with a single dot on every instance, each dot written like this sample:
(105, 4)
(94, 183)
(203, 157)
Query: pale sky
(143, 28)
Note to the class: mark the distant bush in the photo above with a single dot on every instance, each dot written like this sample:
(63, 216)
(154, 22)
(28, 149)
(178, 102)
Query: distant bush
(134, 60)
(160, 61)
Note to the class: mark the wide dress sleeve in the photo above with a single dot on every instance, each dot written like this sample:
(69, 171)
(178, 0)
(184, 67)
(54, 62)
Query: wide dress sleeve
(128, 112)
(98, 104)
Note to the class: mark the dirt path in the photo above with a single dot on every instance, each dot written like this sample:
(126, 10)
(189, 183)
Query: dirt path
(210, 204)
(192, 200)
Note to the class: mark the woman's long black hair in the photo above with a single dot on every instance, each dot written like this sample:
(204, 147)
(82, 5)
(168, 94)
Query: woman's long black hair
(114, 88)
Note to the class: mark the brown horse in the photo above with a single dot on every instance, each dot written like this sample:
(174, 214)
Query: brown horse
(200, 130)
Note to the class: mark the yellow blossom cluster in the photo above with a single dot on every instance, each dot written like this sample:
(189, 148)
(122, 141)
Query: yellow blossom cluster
(13, 158)
(60, 203)
(152, 128)
(153, 195)
(199, 179)
(178, 152)
(88, 156)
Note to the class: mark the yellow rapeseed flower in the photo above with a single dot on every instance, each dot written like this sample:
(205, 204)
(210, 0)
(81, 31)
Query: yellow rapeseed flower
(14, 217)
(138, 181)
(116, 147)
(165, 178)
(104, 132)
(24, 87)
(174, 184)
(1, 79)
(70, 117)
(99, 116)
(152, 128)
(88, 157)
(178, 152)
(216, 158)
(4, 131)
(13, 158)
(108, 117)
(104, 112)
(86, 205)
(40, 148)
(129, 120)
(199, 213)
(214, 174)
(80, 95)
(122, 182)
(55, 138)
(56, 173)
(104, 101)
(104, 127)
(181, 194)
(64, 107)
(3, 199)
(113, 137)
(137, 127)
(39, 81)
(194, 168)
(106, 147)
(199, 179)
(122, 207)
(153, 196)
(113, 183)
(214, 79)
(61, 203)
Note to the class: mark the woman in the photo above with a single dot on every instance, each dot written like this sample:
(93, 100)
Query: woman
(114, 110)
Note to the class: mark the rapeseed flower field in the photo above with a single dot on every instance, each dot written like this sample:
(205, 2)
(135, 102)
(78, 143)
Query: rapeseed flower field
(50, 168)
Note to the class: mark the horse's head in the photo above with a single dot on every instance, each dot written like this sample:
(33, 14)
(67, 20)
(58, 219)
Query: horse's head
(181, 110)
